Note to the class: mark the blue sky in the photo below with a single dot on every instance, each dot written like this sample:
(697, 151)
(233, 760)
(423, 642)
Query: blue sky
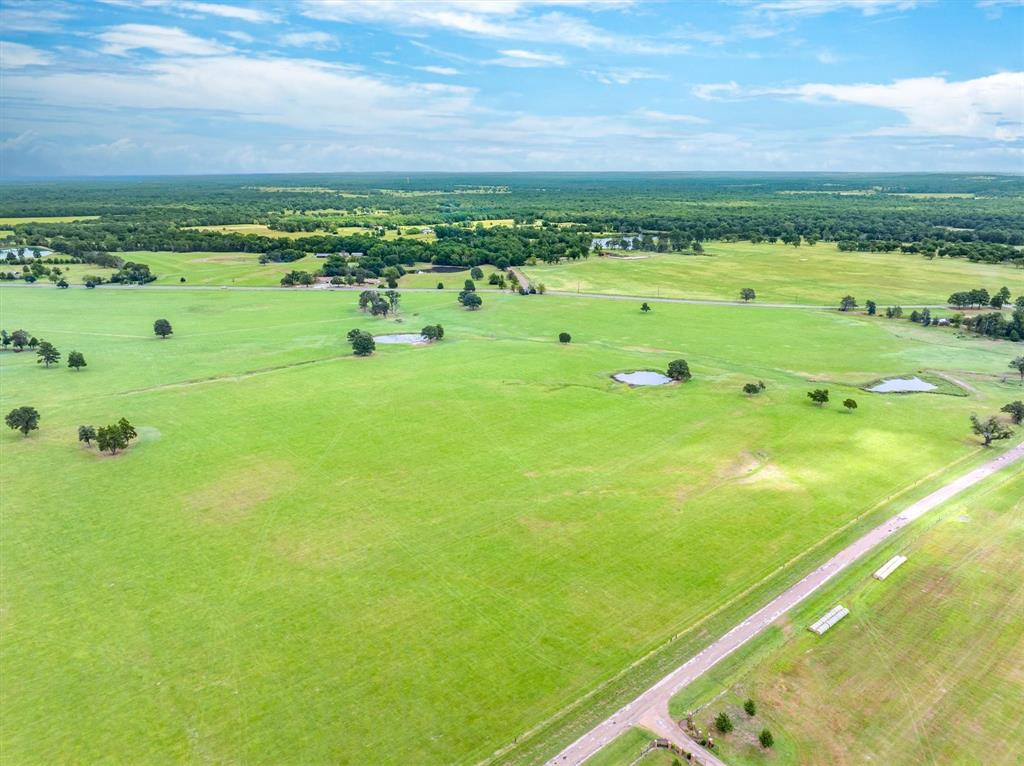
(108, 87)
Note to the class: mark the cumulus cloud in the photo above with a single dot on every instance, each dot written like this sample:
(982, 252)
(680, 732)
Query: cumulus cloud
(820, 7)
(498, 19)
(197, 8)
(320, 96)
(16, 55)
(515, 57)
(167, 41)
(442, 70)
(317, 40)
(623, 75)
(715, 91)
(656, 116)
(986, 107)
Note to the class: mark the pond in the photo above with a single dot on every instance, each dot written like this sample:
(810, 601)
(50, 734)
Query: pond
(902, 386)
(642, 378)
(408, 337)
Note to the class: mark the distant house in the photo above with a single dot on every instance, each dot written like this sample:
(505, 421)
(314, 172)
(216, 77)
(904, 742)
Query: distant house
(426, 230)
(356, 255)
(943, 322)
(324, 255)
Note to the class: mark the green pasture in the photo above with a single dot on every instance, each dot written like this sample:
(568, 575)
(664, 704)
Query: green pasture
(926, 669)
(418, 556)
(452, 280)
(818, 274)
(229, 269)
(15, 220)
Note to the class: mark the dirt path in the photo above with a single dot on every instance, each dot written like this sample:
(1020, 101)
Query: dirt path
(521, 278)
(651, 707)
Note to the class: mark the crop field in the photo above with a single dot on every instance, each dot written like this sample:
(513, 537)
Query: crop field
(417, 556)
(927, 667)
(818, 275)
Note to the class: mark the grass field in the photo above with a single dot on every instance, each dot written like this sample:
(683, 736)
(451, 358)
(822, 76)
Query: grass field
(413, 557)
(14, 221)
(780, 274)
(232, 269)
(925, 670)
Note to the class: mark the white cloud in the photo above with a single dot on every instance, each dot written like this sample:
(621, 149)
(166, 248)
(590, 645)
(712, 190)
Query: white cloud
(623, 76)
(499, 19)
(242, 37)
(656, 116)
(826, 56)
(167, 41)
(320, 96)
(16, 56)
(30, 16)
(715, 91)
(987, 107)
(252, 15)
(317, 40)
(197, 8)
(820, 7)
(515, 57)
(442, 70)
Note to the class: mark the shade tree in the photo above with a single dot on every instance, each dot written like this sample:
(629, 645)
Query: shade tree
(819, 396)
(991, 429)
(76, 360)
(23, 419)
(747, 294)
(87, 434)
(1015, 410)
(162, 328)
(679, 370)
(47, 353)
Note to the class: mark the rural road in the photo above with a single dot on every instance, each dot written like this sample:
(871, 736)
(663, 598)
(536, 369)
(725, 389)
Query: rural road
(651, 707)
(557, 293)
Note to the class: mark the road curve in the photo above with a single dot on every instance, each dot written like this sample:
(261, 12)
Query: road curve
(557, 293)
(653, 704)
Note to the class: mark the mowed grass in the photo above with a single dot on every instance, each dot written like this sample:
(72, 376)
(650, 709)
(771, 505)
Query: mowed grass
(418, 556)
(818, 275)
(926, 669)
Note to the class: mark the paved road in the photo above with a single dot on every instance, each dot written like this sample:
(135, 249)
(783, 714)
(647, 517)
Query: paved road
(558, 293)
(651, 707)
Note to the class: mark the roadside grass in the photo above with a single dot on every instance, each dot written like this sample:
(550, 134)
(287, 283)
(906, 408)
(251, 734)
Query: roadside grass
(307, 553)
(817, 275)
(924, 670)
(624, 749)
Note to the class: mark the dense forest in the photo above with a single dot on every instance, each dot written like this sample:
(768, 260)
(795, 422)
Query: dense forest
(554, 214)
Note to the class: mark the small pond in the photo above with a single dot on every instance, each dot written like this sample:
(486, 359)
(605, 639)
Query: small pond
(409, 337)
(902, 386)
(642, 378)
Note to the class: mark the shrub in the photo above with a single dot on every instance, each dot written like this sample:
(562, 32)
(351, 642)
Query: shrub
(723, 722)
(750, 707)
(564, 337)
(766, 739)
